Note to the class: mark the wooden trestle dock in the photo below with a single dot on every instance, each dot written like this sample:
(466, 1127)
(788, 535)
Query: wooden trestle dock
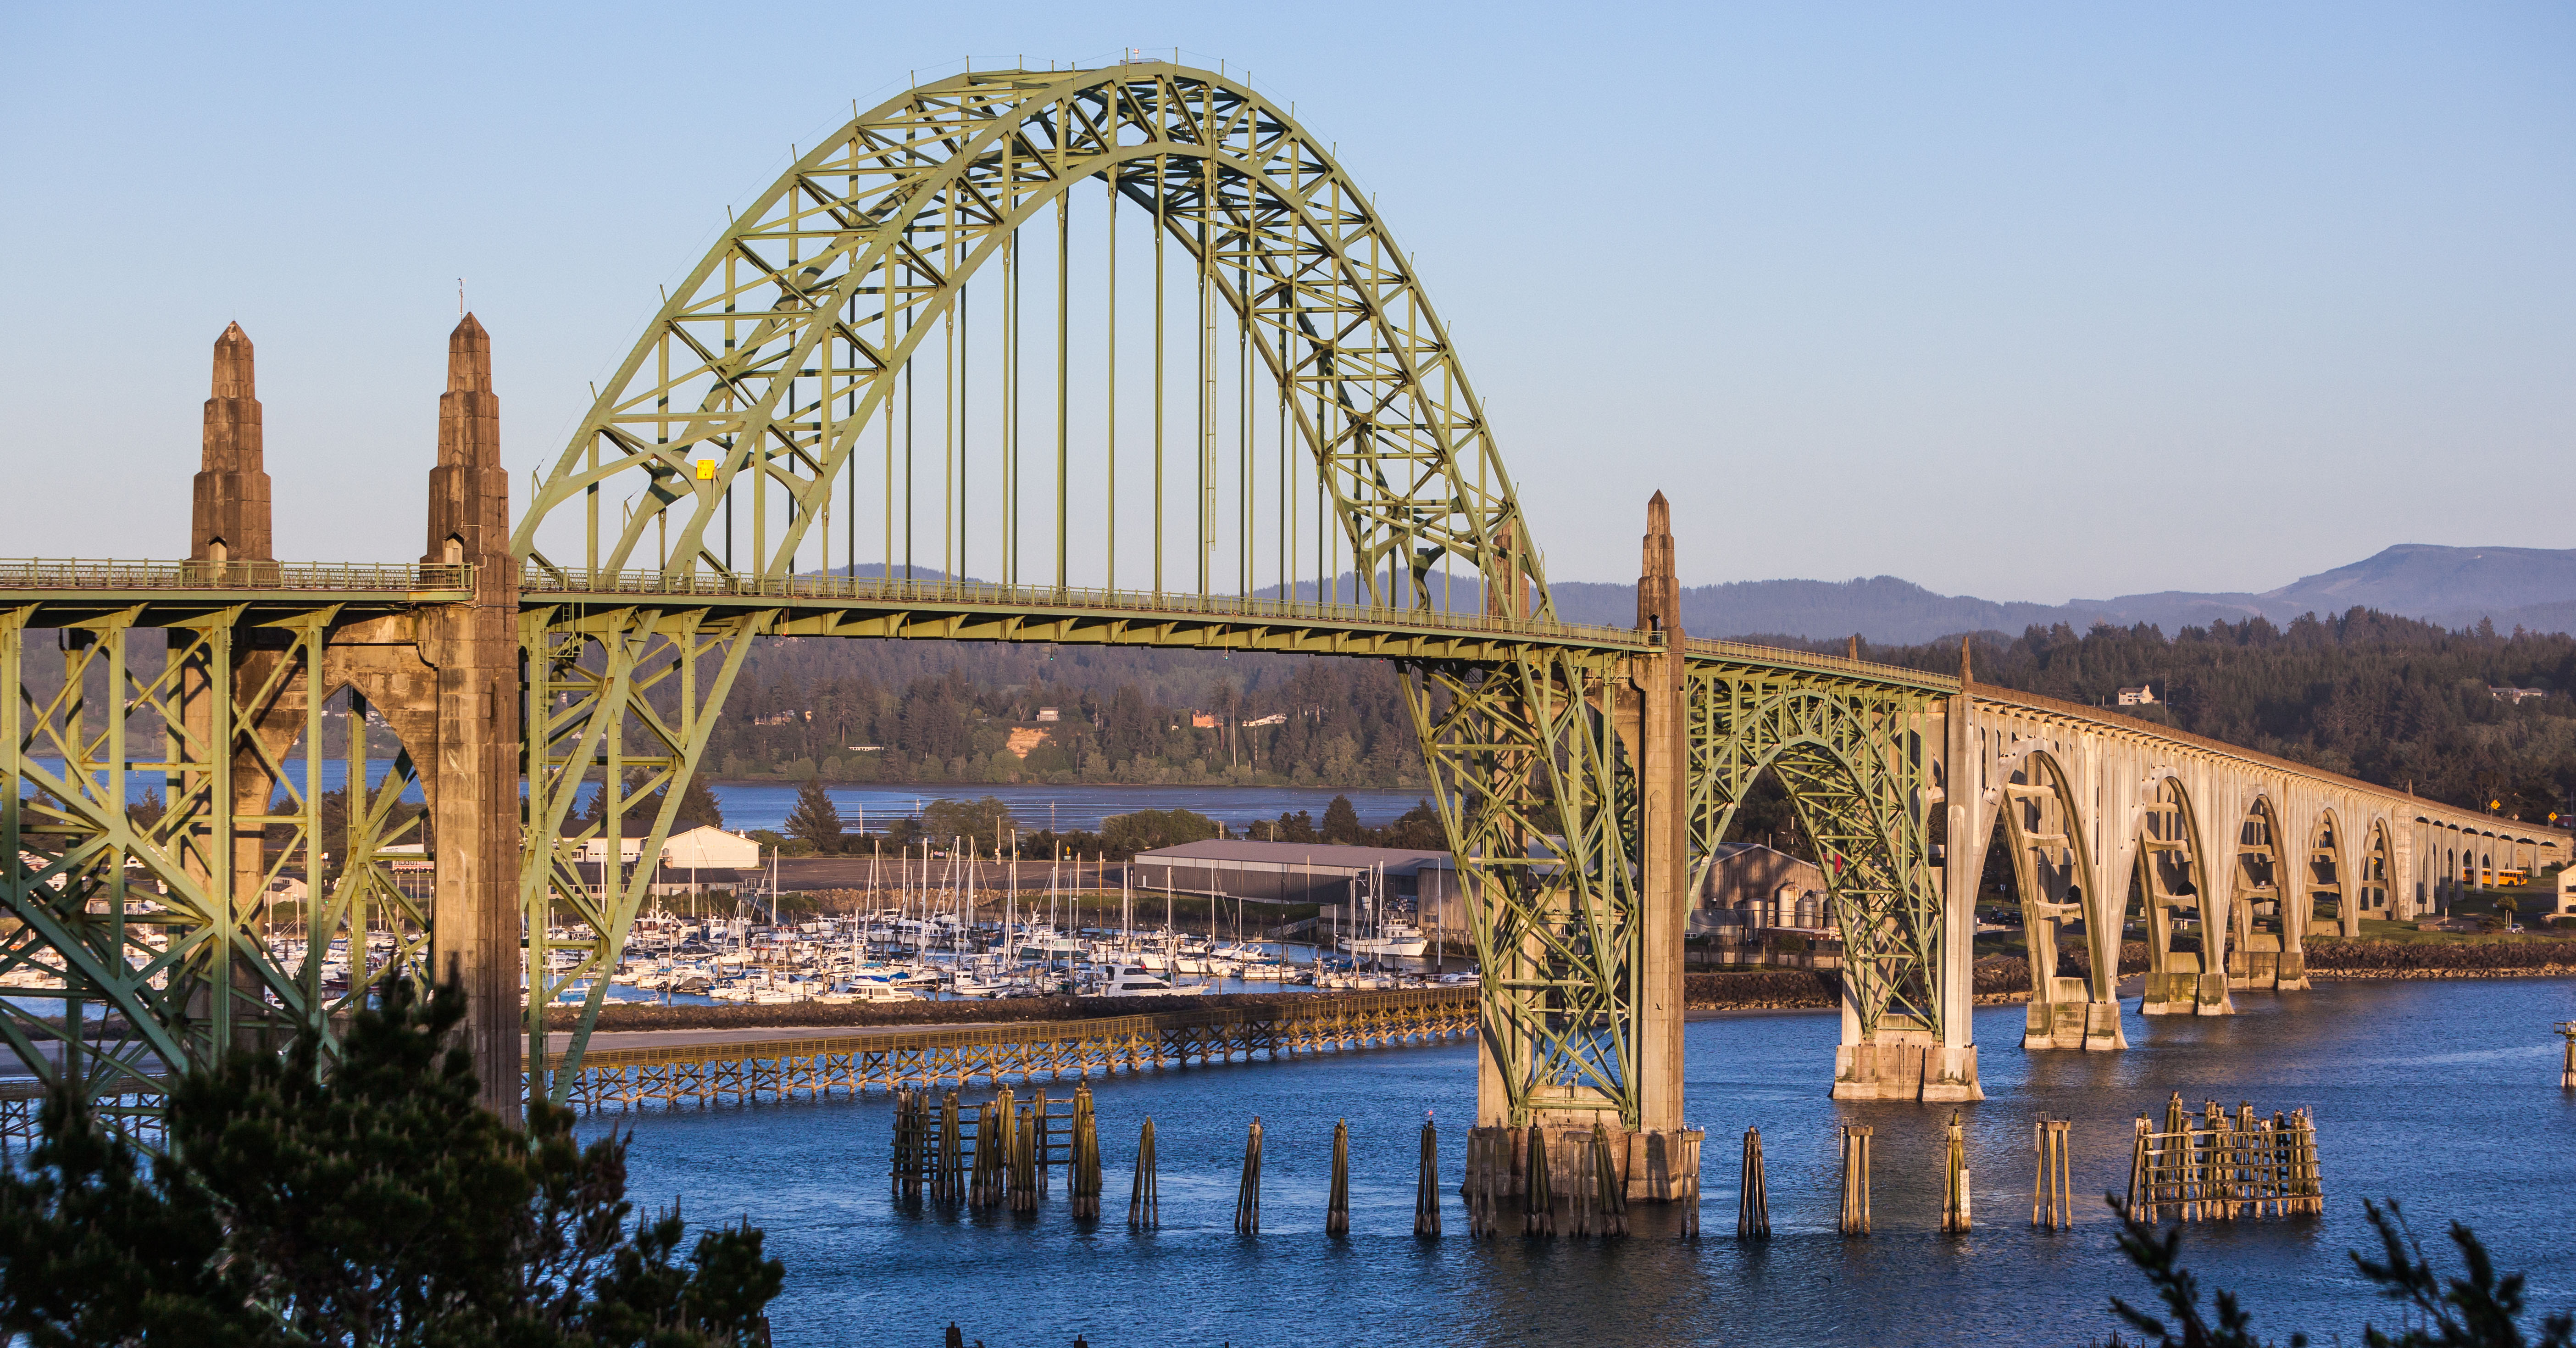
(817, 1065)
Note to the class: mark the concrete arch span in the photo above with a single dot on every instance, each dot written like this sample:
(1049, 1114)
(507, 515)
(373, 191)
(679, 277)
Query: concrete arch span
(2186, 917)
(2052, 864)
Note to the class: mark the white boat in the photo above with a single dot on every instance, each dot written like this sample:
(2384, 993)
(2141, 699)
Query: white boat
(1129, 980)
(1395, 940)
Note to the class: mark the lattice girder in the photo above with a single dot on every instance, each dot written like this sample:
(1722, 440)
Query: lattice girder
(627, 697)
(1540, 800)
(786, 343)
(1854, 763)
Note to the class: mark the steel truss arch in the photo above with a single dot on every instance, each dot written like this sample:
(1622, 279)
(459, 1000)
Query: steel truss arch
(818, 296)
(1854, 762)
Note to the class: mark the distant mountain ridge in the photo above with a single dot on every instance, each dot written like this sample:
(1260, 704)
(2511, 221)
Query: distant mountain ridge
(2455, 587)
(2533, 587)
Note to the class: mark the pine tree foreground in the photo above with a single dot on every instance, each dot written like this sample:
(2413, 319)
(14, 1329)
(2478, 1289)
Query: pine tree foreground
(2480, 1310)
(373, 1204)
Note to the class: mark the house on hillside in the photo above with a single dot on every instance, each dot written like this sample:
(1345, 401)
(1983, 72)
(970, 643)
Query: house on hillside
(2144, 695)
(2514, 695)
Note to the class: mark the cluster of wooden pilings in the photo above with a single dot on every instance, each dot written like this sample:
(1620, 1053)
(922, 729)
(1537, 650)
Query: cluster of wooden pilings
(2205, 1167)
(1575, 1180)
(1000, 1154)
(2217, 1166)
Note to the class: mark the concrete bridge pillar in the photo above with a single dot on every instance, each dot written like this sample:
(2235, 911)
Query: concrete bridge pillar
(473, 788)
(229, 540)
(1663, 764)
(1951, 1072)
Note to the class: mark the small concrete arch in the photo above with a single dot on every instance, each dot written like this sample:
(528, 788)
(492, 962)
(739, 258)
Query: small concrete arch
(2265, 898)
(2171, 882)
(2374, 880)
(2043, 827)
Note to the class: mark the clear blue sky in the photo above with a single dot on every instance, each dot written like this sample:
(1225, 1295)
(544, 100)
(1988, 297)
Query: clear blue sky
(2024, 301)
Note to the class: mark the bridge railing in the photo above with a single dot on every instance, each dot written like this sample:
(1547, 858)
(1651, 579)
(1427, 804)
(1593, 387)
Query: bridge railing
(67, 573)
(1780, 655)
(985, 594)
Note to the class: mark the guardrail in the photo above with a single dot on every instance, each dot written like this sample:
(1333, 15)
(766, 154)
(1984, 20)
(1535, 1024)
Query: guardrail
(46, 573)
(1841, 664)
(1144, 604)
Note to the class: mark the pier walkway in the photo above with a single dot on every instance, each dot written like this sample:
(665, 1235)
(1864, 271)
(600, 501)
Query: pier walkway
(705, 1069)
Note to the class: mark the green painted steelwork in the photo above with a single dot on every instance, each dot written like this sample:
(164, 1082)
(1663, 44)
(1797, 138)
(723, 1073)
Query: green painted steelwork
(782, 377)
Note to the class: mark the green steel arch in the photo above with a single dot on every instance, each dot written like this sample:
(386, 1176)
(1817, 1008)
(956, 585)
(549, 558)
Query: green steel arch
(789, 339)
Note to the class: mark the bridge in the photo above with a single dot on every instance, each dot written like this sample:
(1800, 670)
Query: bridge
(1290, 458)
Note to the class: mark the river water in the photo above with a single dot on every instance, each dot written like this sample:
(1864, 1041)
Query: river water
(2442, 1094)
(750, 805)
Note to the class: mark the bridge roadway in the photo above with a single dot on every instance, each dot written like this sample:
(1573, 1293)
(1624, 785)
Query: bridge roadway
(720, 489)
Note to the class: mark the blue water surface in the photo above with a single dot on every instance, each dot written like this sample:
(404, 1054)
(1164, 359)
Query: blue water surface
(2442, 1094)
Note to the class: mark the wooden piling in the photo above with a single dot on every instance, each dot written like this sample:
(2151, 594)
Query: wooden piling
(1026, 1142)
(1582, 1192)
(1538, 1201)
(992, 1149)
(948, 1179)
(1426, 1182)
(1483, 1180)
(1145, 1201)
(1855, 1215)
(1955, 1197)
(1083, 1184)
(911, 1130)
(2052, 1201)
(1690, 1140)
(1612, 1204)
(1752, 1193)
(1043, 1134)
(1337, 1208)
(1247, 1193)
(2567, 1069)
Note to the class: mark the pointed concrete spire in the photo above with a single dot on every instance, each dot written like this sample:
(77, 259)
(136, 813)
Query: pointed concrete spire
(1659, 588)
(233, 377)
(229, 516)
(1967, 671)
(469, 358)
(469, 490)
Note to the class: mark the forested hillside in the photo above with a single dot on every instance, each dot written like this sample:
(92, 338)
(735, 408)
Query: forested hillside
(2388, 700)
(828, 708)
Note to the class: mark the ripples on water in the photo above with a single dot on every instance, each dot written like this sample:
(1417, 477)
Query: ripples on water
(2443, 1094)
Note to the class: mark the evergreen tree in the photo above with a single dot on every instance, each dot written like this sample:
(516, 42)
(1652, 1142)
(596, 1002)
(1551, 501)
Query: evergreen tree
(698, 806)
(376, 1204)
(1341, 821)
(815, 819)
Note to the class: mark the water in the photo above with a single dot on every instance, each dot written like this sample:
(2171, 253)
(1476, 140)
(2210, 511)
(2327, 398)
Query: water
(750, 805)
(2442, 1094)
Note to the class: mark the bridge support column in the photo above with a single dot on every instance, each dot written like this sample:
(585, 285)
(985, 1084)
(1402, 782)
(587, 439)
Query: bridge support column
(229, 537)
(1950, 1070)
(474, 785)
(1663, 762)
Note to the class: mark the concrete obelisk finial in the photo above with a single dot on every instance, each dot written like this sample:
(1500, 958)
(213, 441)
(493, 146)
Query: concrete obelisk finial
(1967, 669)
(229, 520)
(469, 490)
(1659, 588)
